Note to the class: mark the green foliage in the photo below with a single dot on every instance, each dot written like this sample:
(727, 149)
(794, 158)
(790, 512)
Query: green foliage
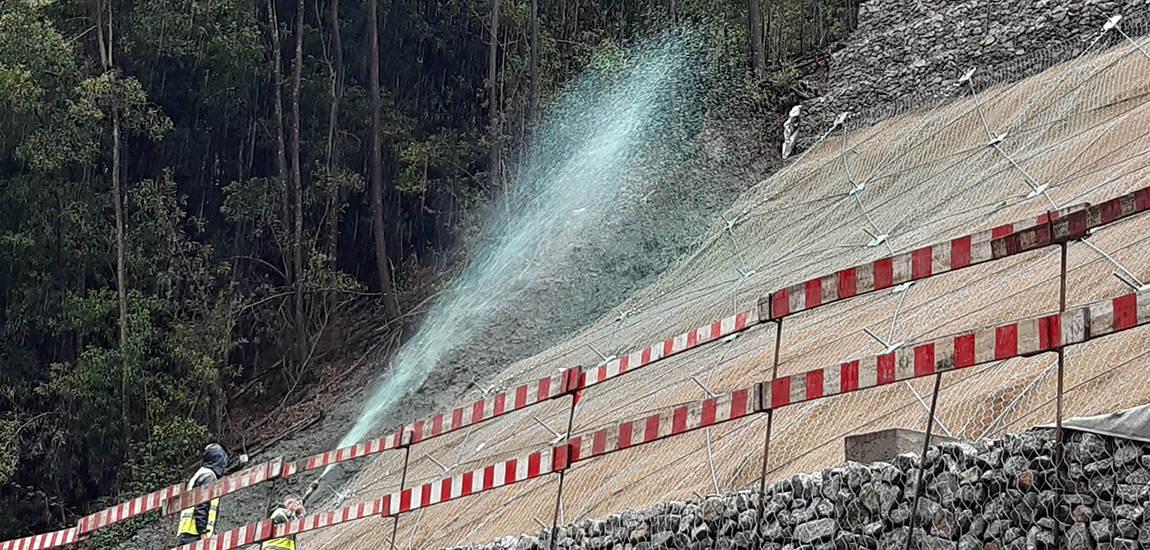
(209, 286)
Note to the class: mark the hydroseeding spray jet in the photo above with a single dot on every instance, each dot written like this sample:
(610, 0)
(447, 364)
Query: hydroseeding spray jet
(582, 164)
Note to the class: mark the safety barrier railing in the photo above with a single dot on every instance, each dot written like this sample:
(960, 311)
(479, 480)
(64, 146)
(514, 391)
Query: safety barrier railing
(1017, 339)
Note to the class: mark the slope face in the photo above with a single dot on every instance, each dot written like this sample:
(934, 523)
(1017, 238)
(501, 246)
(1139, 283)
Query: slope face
(929, 175)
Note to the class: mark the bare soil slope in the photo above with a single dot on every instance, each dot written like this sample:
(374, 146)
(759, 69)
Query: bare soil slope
(1083, 127)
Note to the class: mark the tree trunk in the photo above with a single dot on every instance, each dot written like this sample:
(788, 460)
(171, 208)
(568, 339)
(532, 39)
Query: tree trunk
(105, 47)
(755, 32)
(297, 189)
(391, 308)
(767, 49)
(278, 128)
(336, 91)
(493, 98)
(534, 99)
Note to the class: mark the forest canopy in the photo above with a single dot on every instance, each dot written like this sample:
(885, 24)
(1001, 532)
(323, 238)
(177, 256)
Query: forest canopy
(196, 198)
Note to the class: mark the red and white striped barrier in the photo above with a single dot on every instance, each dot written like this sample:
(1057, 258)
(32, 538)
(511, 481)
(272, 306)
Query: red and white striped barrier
(400, 438)
(1020, 338)
(46, 540)
(671, 346)
(1117, 314)
(228, 484)
(895, 270)
(485, 409)
(553, 459)
(126, 510)
(491, 477)
(1074, 225)
(665, 423)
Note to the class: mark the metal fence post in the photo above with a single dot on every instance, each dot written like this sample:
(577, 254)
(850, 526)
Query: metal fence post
(767, 436)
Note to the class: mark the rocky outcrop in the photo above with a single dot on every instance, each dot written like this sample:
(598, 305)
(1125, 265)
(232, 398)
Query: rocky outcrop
(999, 495)
(904, 54)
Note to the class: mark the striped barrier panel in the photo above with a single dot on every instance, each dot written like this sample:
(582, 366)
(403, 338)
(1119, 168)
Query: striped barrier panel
(552, 459)
(671, 346)
(895, 270)
(665, 423)
(1021, 338)
(46, 540)
(400, 438)
(1077, 224)
(228, 484)
(1118, 314)
(126, 510)
(485, 409)
(539, 463)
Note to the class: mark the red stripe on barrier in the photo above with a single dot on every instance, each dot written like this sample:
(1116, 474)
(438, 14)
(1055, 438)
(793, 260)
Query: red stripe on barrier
(814, 293)
(1001, 231)
(924, 359)
(477, 411)
(456, 419)
(709, 409)
(964, 351)
(692, 338)
(739, 403)
(1111, 210)
(437, 425)
(425, 494)
(488, 477)
(846, 283)
(1006, 341)
(521, 397)
(645, 357)
(679, 421)
(960, 252)
(814, 384)
(544, 389)
(625, 435)
(533, 464)
(511, 470)
(1142, 199)
(849, 376)
(885, 369)
(445, 490)
(465, 484)
(780, 392)
(780, 304)
(920, 263)
(668, 346)
(652, 429)
(599, 442)
(405, 500)
(1125, 311)
(883, 273)
(623, 363)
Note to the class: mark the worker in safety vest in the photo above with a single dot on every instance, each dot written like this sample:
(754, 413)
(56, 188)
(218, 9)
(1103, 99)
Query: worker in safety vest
(199, 522)
(290, 510)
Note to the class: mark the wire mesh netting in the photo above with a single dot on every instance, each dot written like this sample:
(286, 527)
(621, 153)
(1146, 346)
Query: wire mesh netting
(929, 176)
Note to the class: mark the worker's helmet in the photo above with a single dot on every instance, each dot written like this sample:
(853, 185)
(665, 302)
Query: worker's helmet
(216, 459)
(295, 505)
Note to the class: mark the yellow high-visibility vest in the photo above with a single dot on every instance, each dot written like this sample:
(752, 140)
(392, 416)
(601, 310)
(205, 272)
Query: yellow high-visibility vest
(279, 517)
(188, 518)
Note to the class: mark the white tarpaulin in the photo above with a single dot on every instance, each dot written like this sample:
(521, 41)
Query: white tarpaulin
(791, 131)
(1133, 424)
